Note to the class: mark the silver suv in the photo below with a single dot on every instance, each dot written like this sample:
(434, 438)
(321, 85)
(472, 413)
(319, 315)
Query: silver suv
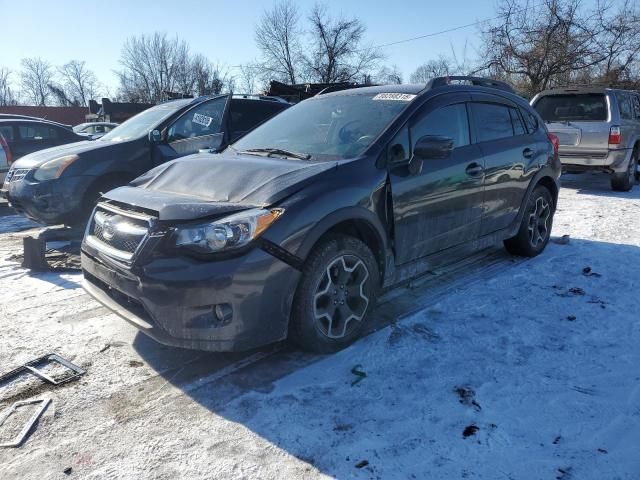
(598, 129)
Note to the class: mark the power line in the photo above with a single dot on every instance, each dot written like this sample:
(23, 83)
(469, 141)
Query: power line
(427, 35)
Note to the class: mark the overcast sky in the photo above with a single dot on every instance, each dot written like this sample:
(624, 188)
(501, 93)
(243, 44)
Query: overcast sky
(62, 30)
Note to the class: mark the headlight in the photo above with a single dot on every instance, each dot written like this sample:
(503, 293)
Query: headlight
(53, 168)
(228, 233)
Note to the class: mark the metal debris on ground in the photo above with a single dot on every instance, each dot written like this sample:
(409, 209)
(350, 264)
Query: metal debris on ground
(31, 367)
(17, 441)
(359, 373)
(36, 255)
(563, 240)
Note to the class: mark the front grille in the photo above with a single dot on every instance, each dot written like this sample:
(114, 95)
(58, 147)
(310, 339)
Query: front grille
(16, 174)
(117, 233)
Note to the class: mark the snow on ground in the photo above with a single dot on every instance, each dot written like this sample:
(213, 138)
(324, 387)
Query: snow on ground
(498, 368)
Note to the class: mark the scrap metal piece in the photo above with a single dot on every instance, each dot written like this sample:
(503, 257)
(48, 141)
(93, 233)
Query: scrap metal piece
(31, 367)
(17, 441)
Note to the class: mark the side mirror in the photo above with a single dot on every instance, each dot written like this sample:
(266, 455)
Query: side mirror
(433, 147)
(155, 136)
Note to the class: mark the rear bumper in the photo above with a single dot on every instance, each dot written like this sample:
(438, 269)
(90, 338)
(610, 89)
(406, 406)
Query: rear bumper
(173, 300)
(612, 161)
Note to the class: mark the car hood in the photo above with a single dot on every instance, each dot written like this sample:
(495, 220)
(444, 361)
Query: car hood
(209, 184)
(36, 159)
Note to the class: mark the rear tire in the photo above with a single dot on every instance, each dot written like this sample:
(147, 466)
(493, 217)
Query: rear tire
(535, 227)
(623, 182)
(336, 295)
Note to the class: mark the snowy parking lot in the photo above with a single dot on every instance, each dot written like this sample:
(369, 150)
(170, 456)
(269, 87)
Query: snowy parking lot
(494, 368)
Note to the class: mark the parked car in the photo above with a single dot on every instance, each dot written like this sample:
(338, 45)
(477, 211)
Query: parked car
(5, 158)
(15, 116)
(94, 130)
(25, 136)
(61, 185)
(598, 129)
(296, 228)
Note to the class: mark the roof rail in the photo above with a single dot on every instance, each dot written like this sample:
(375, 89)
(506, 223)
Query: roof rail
(478, 81)
(340, 87)
(260, 97)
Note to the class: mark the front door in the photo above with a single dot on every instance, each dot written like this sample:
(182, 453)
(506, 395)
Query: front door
(199, 128)
(440, 206)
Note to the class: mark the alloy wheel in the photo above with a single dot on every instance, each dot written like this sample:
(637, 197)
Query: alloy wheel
(538, 227)
(340, 301)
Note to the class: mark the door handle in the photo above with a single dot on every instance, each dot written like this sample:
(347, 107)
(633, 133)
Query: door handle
(527, 153)
(474, 170)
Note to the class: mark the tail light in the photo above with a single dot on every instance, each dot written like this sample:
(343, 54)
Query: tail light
(614, 136)
(555, 141)
(7, 151)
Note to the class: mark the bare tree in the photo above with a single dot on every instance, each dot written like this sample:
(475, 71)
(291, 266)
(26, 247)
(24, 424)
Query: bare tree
(278, 37)
(78, 83)
(7, 96)
(337, 53)
(388, 75)
(539, 46)
(36, 75)
(617, 41)
(151, 66)
(209, 78)
(250, 78)
(440, 67)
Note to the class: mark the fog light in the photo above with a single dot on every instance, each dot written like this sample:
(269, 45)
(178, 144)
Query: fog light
(224, 313)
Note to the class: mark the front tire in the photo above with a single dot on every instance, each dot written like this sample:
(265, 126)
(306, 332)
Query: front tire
(336, 295)
(535, 227)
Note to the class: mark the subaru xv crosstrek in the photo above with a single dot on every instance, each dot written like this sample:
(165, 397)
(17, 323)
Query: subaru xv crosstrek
(61, 184)
(598, 129)
(294, 230)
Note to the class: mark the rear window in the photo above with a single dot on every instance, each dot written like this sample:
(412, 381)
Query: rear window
(579, 107)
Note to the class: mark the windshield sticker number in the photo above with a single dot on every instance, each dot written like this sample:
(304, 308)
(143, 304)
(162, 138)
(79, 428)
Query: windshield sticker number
(202, 119)
(401, 97)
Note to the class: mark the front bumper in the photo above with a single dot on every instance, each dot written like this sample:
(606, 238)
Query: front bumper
(174, 299)
(612, 160)
(51, 202)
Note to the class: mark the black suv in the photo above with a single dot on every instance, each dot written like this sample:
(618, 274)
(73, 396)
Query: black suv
(61, 185)
(296, 228)
(27, 135)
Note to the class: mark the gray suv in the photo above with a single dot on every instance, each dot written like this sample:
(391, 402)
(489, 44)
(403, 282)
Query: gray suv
(598, 129)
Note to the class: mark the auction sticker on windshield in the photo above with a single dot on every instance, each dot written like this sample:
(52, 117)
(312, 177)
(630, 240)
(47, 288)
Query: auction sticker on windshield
(402, 97)
(202, 119)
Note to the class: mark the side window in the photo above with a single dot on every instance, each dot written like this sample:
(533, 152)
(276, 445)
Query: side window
(7, 132)
(98, 129)
(516, 121)
(36, 132)
(205, 119)
(450, 121)
(636, 106)
(399, 148)
(245, 115)
(530, 120)
(625, 106)
(492, 121)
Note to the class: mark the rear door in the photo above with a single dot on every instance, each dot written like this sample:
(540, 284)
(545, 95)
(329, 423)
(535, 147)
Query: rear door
(8, 131)
(510, 154)
(441, 206)
(199, 128)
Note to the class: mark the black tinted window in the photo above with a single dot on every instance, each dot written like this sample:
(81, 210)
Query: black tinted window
(636, 105)
(625, 106)
(37, 132)
(530, 120)
(492, 121)
(7, 132)
(518, 127)
(245, 115)
(560, 108)
(450, 121)
(399, 147)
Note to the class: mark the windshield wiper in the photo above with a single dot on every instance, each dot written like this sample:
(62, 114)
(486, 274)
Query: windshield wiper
(278, 151)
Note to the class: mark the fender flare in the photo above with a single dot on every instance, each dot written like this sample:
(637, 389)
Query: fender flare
(544, 173)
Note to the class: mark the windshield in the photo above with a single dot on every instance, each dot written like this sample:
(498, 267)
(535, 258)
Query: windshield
(144, 122)
(579, 107)
(340, 126)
